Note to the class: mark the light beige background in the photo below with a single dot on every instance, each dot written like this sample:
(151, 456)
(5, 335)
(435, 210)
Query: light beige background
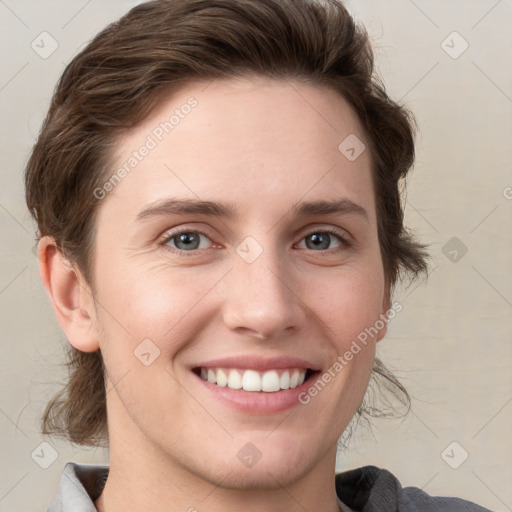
(452, 343)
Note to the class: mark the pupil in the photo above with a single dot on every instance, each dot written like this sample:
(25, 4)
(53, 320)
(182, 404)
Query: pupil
(187, 239)
(317, 240)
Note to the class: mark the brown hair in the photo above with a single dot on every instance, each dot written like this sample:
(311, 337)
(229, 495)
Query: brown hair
(160, 46)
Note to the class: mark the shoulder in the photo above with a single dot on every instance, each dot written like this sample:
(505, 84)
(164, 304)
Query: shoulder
(371, 489)
(79, 486)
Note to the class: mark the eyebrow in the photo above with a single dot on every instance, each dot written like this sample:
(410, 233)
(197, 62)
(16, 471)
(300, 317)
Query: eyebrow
(230, 211)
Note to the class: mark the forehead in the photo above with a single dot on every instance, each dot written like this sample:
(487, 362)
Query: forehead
(247, 138)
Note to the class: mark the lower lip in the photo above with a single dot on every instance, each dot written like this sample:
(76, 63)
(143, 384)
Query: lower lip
(258, 402)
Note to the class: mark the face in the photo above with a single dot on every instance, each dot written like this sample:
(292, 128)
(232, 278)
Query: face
(263, 281)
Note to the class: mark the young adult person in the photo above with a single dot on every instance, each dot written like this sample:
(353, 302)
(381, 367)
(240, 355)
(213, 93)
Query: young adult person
(217, 193)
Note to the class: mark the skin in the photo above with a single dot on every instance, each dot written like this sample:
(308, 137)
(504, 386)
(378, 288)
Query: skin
(263, 145)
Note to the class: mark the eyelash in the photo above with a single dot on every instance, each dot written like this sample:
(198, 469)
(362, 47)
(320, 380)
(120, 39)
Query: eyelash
(344, 242)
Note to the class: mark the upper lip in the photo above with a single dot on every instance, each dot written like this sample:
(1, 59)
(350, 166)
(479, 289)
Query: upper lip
(258, 363)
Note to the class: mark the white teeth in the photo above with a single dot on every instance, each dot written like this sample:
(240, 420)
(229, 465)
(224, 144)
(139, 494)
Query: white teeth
(222, 378)
(251, 380)
(284, 382)
(212, 377)
(294, 379)
(270, 381)
(234, 380)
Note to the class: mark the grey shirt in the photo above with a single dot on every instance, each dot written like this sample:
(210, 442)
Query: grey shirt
(366, 489)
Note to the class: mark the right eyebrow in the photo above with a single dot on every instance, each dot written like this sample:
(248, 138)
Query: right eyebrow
(184, 206)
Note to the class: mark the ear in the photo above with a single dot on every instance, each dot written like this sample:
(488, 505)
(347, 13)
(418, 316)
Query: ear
(386, 306)
(70, 295)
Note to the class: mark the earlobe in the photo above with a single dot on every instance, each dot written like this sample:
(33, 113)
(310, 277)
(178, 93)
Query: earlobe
(71, 298)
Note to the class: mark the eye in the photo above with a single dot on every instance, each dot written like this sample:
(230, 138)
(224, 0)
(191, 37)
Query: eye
(186, 240)
(321, 239)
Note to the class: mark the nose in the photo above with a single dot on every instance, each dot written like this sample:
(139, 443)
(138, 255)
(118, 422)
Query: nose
(262, 297)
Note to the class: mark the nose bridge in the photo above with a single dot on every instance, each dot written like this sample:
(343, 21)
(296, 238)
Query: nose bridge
(259, 292)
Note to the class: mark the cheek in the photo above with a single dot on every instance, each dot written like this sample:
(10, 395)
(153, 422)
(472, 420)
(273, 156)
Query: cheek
(347, 300)
(157, 301)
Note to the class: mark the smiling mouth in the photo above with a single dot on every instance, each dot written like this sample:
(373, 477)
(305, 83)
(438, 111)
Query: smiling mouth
(269, 381)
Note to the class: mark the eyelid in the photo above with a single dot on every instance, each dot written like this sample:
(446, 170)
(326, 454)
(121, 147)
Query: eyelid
(172, 232)
(342, 233)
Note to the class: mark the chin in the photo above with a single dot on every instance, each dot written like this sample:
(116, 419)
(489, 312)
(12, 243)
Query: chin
(259, 465)
(262, 476)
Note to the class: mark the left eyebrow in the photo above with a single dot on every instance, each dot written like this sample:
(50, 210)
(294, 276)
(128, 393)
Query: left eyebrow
(228, 210)
(340, 207)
